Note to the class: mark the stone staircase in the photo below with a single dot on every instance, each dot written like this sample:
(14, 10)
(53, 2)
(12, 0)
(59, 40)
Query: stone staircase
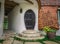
(31, 35)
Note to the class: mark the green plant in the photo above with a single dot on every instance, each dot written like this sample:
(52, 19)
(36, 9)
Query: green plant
(49, 29)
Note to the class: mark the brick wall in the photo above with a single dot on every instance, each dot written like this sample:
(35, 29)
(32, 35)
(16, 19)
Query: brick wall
(48, 17)
(50, 2)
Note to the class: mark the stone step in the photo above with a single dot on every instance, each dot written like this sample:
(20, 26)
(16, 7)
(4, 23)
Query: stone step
(30, 33)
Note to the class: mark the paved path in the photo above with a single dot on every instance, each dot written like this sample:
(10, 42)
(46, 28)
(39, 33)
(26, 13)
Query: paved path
(8, 36)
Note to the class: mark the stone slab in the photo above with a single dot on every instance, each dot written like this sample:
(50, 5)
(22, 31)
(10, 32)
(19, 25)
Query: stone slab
(9, 41)
(50, 42)
(32, 43)
(17, 42)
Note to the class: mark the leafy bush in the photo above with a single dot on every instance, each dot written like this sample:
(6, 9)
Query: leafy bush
(49, 29)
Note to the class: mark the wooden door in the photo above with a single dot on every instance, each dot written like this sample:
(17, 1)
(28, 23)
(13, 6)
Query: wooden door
(29, 19)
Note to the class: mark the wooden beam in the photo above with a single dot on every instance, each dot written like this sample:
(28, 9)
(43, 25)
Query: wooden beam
(29, 1)
(0, 4)
(8, 6)
(39, 4)
(11, 2)
(8, 9)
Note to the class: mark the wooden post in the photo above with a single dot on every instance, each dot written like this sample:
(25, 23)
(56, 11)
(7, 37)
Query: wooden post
(39, 7)
(39, 4)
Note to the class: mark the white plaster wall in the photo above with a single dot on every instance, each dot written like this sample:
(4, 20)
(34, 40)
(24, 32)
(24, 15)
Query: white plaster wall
(1, 17)
(16, 19)
(58, 32)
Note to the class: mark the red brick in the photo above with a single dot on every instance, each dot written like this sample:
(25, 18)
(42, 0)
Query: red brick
(48, 17)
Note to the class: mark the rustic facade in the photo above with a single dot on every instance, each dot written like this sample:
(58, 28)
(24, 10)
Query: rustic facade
(48, 14)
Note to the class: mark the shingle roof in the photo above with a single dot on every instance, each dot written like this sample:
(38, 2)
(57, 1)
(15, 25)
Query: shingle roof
(50, 2)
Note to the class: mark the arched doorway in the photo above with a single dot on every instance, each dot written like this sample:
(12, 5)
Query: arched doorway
(29, 19)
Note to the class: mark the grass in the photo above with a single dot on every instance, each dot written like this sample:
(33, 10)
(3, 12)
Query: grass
(5, 23)
(1, 41)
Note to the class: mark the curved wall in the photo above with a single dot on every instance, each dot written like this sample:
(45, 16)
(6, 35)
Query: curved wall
(16, 19)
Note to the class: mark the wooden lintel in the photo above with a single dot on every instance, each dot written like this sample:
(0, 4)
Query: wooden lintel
(29, 1)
